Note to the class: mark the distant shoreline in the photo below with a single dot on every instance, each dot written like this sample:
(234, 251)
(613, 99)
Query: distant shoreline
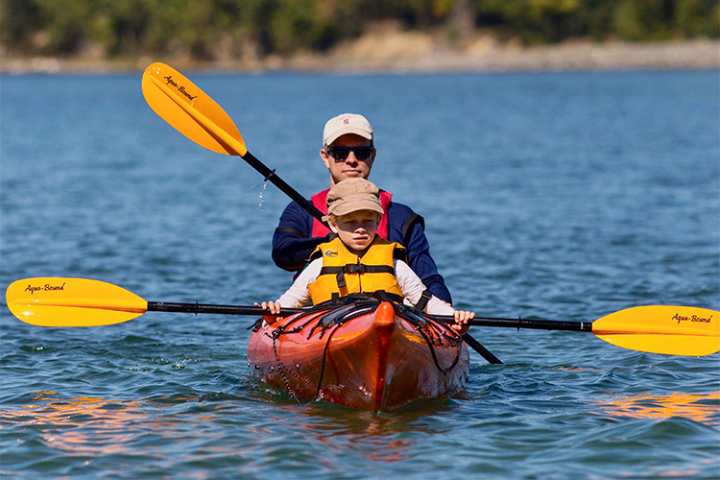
(412, 52)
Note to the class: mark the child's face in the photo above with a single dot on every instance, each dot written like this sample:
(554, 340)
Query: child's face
(356, 229)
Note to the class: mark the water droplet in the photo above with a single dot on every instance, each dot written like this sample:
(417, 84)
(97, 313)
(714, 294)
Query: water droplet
(261, 195)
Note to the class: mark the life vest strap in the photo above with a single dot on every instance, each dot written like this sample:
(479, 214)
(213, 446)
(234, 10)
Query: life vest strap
(424, 298)
(357, 268)
(386, 296)
(354, 268)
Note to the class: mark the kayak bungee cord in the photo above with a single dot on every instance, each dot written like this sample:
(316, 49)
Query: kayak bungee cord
(324, 361)
(349, 309)
(418, 320)
(334, 318)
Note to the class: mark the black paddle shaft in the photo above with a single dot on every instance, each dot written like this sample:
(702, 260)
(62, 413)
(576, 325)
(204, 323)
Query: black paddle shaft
(480, 348)
(197, 308)
(218, 309)
(532, 324)
(528, 323)
(476, 322)
(282, 185)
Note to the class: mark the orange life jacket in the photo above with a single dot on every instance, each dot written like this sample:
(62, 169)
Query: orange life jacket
(344, 272)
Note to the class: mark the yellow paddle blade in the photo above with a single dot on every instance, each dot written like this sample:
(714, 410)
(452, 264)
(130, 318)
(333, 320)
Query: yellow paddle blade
(71, 302)
(190, 111)
(668, 329)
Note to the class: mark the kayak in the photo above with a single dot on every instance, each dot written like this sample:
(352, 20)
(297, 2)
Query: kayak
(365, 353)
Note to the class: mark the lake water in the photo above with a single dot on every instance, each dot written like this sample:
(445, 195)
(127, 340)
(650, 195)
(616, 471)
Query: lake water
(557, 195)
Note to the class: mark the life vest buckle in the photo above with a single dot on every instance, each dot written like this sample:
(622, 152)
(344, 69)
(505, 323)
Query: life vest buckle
(355, 268)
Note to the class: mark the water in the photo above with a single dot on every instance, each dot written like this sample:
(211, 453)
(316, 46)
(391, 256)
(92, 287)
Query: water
(564, 196)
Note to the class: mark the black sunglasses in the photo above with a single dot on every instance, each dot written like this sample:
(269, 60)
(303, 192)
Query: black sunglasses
(340, 154)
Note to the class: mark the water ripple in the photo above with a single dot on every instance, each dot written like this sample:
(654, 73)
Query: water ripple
(561, 196)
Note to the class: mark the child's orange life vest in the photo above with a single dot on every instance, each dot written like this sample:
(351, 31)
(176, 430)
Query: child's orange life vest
(344, 272)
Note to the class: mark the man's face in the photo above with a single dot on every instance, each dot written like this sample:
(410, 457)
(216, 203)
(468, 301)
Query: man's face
(341, 166)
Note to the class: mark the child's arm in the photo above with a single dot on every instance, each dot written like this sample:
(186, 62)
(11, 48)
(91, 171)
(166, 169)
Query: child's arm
(298, 294)
(412, 288)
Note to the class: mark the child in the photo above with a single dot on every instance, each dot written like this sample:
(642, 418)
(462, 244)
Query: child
(359, 261)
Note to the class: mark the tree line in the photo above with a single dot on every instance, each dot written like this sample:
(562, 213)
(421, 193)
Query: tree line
(206, 29)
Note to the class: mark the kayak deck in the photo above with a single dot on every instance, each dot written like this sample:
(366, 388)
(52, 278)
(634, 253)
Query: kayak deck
(370, 355)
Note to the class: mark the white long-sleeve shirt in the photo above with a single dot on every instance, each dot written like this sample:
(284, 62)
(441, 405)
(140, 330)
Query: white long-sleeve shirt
(410, 284)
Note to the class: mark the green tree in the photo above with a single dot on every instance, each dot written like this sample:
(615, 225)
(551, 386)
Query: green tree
(197, 28)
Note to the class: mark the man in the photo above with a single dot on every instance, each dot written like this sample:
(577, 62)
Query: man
(348, 151)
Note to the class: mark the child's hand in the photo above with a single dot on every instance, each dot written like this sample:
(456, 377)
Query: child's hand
(462, 317)
(273, 307)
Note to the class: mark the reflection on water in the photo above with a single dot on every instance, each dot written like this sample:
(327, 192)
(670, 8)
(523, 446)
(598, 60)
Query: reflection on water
(92, 425)
(379, 437)
(703, 408)
(84, 425)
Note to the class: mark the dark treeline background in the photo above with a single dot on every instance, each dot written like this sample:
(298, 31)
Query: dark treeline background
(209, 29)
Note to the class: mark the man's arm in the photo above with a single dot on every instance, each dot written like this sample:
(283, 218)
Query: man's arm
(409, 229)
(292, 243)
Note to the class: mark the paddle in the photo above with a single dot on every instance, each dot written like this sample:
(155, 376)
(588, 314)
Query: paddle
(667, 329)
(79, 302)
(83, 302)
(192, 112)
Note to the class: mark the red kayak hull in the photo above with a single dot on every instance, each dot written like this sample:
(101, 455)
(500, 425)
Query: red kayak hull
(379, 360)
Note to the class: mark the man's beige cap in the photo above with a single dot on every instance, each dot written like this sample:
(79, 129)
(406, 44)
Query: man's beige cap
(352, 195)
(346, 123)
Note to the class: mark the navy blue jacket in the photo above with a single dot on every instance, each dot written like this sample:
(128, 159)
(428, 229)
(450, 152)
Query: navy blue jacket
(292, 243)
